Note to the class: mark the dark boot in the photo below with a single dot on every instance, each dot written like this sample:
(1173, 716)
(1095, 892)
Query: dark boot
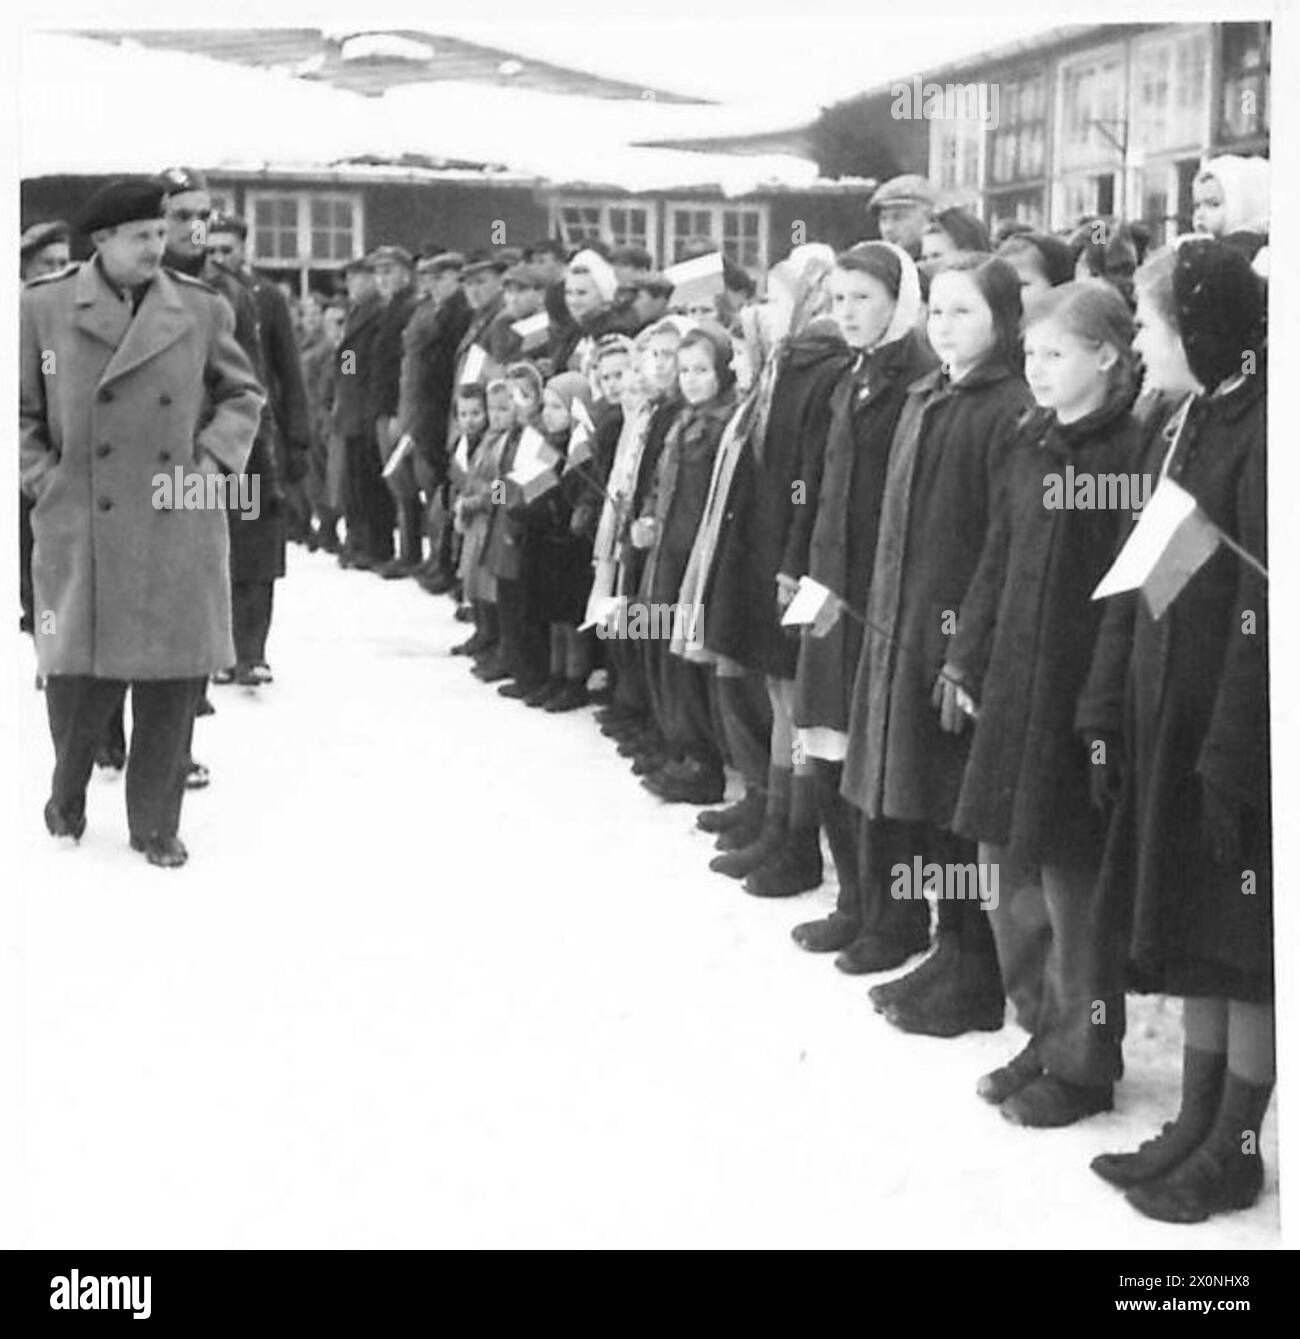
(796, 865)
(544, 692)
(1225, 1172)
(776, 815)
(999, 1084)
(890, 993)
(890, 929)
(967, 997)
(742, 812)
(694, 781)
(570, 698)
(1050, 1103)
(841, 821)
(747, 830)
(1203, 1075)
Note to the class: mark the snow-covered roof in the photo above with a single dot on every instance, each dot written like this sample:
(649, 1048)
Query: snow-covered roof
(92, 106)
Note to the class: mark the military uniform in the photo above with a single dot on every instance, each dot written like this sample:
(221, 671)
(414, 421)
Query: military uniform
(127, 592)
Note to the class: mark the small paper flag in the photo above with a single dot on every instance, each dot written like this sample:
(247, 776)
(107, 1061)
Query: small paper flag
(809, 600)
(533, 331)
(1171, 542)
(472, 369)
(697, 279)
(403, 449)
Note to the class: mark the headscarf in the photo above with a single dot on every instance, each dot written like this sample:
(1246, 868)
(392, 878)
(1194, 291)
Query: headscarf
(1219, 303)
(723, 352)
(570, 386)
(897, 271)
(600, 270)
(1245, 183)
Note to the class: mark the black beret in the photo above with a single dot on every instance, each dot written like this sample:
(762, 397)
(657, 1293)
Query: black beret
(41, 235)
(122, 201)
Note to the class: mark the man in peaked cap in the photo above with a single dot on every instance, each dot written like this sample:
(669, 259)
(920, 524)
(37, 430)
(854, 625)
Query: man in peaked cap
(903, 207)
(128, 374)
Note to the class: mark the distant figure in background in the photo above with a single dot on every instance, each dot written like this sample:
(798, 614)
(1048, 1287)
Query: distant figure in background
(953, 230)
(902, 207)
(319, 368)
(353, 429)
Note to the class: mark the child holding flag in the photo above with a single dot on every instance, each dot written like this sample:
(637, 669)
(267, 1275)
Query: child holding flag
(474, 512)
(1183, 704)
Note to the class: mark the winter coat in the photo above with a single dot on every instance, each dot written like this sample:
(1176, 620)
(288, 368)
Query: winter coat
(677, 499)
(280, 452)
(631, 560)
(385, 383)
(743, 624)
(503, 547)
(1189, 696)
(841, 525)
(946, 464)
(429, 345)
(488, 327)
(570, 342)
(354, 363)
(557, 562)
(476, 518)
(1025, 636)
(107, 402)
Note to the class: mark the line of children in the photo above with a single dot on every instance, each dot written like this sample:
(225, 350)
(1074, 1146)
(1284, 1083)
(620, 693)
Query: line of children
(960, 701)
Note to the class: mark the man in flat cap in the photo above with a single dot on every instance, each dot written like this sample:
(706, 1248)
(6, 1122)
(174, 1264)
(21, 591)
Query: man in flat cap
(903, 207)
(395, 279)
(127, 375)
(428, 365)
(257, 547)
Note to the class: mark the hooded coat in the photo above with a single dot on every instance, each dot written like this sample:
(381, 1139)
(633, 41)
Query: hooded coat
(1189, 696)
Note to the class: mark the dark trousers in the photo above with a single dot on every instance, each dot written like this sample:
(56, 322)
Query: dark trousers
(80, 709)
(629, 674)
(885, 844)
(370, 511)
(250, 605)
(525, 643)
(680, 693)
(1061, 964)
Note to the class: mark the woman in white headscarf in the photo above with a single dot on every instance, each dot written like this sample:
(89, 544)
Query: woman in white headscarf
(1230, 201)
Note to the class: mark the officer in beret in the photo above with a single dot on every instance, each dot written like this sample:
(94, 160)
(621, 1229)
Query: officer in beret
(903, 207)
(129, 373)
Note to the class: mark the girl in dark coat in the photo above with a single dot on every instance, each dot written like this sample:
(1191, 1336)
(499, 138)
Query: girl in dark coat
(679, 689)
(1183, 703)
(523, 636)
(767, 495)
(1024, 640)
(946, 464)
(557, 559)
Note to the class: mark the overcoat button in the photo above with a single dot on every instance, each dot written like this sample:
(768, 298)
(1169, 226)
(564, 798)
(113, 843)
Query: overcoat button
(102, 449)
(164, 455)
(105, 504)
(164, 399)
(105, 396)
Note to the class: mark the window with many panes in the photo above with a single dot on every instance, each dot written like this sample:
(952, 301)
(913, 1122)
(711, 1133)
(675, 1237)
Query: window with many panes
(1244, 111)
(1092, 136)
(303, 228)
(957, 156)
(738, 231)
(1170, 92)
(618, 222)
(1017, 150)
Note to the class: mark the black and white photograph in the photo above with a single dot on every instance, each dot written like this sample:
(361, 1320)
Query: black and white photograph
(648, 627)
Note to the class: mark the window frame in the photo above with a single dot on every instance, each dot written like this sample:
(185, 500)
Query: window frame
(305, 260)
(717, 211)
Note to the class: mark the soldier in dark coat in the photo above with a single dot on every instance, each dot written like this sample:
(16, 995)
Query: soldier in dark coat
(257, 549)
(901, 768)
(353, 423)
(394, 274)
(127, 373)
(428, 375)
(1184, 703)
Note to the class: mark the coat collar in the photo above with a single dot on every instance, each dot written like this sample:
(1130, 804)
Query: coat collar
(158, 323)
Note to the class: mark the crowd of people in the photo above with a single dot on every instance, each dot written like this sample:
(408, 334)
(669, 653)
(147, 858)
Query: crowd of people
(803, 528)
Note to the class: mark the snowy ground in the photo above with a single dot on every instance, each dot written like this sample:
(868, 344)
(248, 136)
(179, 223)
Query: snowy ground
(440, 972)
